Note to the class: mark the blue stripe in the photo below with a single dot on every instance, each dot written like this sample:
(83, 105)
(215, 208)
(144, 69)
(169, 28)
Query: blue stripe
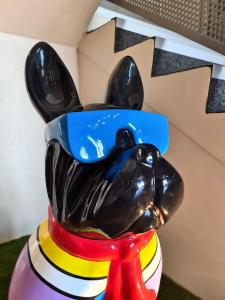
(101, 296)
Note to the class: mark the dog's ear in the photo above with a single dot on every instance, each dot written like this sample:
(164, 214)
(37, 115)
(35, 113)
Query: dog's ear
(125, 87)
(49, 83)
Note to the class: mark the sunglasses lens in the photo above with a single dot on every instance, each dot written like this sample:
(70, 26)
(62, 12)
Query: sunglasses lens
(91, 136)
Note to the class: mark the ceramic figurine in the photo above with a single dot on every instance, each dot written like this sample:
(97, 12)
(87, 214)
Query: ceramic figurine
(108, 185)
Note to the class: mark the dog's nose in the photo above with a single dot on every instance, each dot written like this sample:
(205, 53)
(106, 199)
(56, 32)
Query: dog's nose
(147, 153)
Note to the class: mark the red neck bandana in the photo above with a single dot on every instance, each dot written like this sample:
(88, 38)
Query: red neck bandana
(125, 275)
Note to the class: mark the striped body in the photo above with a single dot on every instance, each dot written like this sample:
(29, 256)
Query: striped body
(47, 272)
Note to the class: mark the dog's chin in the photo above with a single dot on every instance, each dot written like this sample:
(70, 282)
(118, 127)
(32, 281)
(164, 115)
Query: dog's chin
(86, 232)
(149, 220)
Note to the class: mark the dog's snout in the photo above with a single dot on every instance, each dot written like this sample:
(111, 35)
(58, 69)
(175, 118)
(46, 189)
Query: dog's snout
(124, 139)
(145, 153)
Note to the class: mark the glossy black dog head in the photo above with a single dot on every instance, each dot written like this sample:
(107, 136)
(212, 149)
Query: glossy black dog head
(134, 189)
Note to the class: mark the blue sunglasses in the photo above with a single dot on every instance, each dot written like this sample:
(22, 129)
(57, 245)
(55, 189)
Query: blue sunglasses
(90, 136)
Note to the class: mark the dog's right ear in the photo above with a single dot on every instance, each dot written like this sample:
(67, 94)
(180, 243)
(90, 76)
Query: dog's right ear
(49, 83)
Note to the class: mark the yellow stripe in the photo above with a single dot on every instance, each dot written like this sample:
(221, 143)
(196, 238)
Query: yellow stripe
(81, 267)
(148, 252)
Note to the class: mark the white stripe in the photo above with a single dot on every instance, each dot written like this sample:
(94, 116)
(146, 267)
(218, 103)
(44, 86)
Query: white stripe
(71, 285)
(150, 270)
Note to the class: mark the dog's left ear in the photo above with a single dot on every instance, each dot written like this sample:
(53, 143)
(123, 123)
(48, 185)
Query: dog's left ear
(49, 83)
(125, 87)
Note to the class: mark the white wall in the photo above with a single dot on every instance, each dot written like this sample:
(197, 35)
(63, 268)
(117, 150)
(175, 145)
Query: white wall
(23, 197)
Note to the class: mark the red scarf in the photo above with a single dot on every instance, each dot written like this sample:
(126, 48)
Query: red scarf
(125, 275)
